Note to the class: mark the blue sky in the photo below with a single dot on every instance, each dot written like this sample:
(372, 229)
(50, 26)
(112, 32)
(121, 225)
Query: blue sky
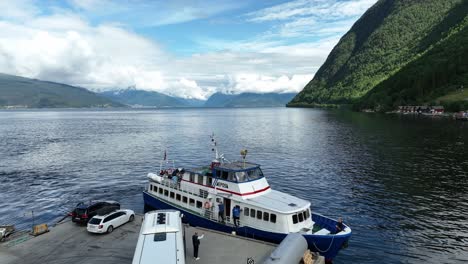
(190, 49)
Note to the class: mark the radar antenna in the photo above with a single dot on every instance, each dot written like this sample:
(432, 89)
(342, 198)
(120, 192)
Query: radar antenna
(219, 158)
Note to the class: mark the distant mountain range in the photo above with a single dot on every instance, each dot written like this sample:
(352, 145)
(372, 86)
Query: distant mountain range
(19, 92)
(399, 52)
(139, 98)
(249, 100)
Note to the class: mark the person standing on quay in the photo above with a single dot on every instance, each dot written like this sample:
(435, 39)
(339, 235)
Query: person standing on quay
(196, 244)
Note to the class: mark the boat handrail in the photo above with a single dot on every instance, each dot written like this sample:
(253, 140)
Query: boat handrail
(211, 215)
(177, 186)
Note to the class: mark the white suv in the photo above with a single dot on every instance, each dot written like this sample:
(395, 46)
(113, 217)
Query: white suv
(107, 223)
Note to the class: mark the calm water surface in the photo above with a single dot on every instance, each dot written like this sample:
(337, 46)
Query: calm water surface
(400, 182)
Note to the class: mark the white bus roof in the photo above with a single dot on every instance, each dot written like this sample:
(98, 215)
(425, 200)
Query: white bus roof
(161, 239)
(153, 252)
(169, 221)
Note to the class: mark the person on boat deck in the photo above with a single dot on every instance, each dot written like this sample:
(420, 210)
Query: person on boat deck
(221, 211)
(339, 225)
(236, 214)
(196, 243)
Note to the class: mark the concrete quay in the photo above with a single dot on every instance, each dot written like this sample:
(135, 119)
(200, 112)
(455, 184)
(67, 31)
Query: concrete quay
(70, 243)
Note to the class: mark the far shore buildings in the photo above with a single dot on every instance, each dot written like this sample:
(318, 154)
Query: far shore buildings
(421, 109)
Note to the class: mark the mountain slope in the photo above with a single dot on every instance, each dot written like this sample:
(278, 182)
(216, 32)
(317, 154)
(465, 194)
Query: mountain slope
(218, 100)
(440, 72)
(134, 97)
(388, 37)
(22, 92)
(249, 100)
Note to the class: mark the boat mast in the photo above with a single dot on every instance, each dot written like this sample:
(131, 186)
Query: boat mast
(215, 147)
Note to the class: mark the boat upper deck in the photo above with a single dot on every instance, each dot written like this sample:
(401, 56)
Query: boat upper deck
(279, 202)
(238, 166)
(228, 166)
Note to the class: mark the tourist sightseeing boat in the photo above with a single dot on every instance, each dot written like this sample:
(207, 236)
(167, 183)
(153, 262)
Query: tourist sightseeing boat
(265, 214)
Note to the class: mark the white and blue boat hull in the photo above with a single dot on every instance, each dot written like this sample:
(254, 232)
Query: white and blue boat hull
(327, 245)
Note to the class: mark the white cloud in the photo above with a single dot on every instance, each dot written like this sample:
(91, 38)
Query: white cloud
(64, 47)
(155, 12)
(98, 57)
(256, 83)
(17, 9)
(326, 9)
(311, 18)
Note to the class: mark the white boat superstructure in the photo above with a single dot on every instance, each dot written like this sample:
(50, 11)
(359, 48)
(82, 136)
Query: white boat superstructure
(236, 197)
(242, 184)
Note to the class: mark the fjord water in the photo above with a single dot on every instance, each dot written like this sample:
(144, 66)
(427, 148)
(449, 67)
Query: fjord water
(400, 182)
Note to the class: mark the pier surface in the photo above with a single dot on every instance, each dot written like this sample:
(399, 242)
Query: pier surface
(71, 243)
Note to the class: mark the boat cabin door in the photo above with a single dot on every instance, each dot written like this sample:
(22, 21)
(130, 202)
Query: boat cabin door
(227, 207)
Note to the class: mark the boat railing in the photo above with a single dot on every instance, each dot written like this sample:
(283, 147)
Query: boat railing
(210, 214)
(187, 189)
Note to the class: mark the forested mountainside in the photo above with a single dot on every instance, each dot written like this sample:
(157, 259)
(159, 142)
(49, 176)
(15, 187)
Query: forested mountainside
(19, 92)
(399, 52)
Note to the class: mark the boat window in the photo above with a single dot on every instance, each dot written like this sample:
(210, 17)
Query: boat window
(252, 212)
(255, 174)
(172, 195)
(199, 204)
(294, 217)
(184, 199)
(241, 176)
(151, 187)
(192, 177)
(246, 211)
(177, 197)
(224, 175)
(191, 202)
(200, 179)
(231, 176)
(266, 216)
(160, 190)
(273, 218)
(259, 215)
(301, 217)
(305, 215)
(166, 193)
(155, 188)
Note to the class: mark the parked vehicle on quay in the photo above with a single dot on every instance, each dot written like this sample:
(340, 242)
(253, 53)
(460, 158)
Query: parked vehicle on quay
(87, 210)
(5, 231)
(108, 222)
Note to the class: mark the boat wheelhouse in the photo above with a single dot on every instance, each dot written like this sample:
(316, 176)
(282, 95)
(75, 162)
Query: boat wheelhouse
(265, 214)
